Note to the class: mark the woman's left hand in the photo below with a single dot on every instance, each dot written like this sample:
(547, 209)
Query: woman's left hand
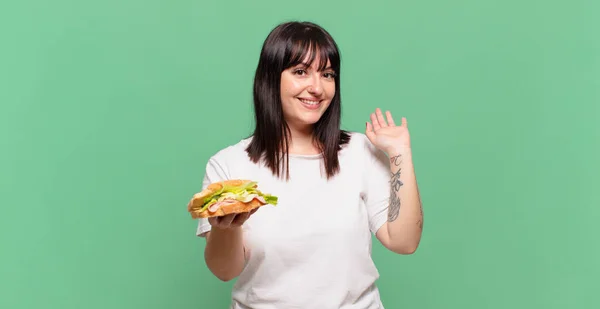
(386, 135)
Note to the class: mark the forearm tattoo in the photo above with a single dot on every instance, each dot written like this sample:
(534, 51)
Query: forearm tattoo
(395, 184)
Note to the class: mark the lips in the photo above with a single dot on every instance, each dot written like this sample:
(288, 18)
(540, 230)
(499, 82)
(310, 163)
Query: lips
(311, 104)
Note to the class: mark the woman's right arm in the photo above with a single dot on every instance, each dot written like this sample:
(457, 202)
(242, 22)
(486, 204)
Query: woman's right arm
(225, 254)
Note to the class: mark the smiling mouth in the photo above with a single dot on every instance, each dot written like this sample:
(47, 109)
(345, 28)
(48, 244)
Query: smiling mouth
(310, 102)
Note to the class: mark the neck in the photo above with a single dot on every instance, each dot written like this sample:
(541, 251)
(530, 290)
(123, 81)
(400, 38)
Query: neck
(302, 141)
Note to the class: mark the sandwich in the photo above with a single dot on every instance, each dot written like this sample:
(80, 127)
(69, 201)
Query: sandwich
(228, 197)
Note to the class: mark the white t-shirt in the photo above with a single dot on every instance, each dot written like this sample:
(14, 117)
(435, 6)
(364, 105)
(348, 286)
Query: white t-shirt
(312, 250)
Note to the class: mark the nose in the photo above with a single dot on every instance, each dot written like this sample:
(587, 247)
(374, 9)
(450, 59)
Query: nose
(315, 88)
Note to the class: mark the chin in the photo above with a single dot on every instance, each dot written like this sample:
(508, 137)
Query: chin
(312, 118)
(306, 121)
(310, 122)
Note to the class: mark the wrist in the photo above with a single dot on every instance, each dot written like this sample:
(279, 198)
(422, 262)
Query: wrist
(399, 152)
(225, 230)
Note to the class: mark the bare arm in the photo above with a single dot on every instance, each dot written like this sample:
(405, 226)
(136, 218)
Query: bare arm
(402, 233)
(225, 254)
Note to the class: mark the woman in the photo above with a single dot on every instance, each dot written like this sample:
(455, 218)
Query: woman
(335, 188)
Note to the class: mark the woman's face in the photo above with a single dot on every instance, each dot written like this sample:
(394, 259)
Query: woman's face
(306, 93)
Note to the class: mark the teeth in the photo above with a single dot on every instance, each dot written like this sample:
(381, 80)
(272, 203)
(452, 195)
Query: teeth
(310, 102)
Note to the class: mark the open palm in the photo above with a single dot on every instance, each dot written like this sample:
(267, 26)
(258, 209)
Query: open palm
(386, 135)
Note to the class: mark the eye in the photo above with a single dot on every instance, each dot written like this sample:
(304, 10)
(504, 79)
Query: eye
(299, 71)
(329, 75)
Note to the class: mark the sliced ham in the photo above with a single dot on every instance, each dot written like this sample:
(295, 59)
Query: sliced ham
(214, 207)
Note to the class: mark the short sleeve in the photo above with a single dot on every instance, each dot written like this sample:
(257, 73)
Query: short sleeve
(376, 186)
(215, 171)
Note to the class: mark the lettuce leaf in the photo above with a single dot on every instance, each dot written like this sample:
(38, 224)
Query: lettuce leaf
(271, 199)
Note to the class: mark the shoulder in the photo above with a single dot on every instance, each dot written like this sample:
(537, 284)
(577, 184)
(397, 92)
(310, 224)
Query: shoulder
(222, 163)
(232, 152)
(360, 147)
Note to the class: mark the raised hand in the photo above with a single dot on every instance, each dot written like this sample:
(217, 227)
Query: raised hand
(386, 135)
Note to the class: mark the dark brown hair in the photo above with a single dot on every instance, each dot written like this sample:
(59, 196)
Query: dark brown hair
(286, 46)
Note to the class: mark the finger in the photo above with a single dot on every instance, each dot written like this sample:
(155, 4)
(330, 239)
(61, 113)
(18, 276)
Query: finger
(225, 221)
(375, 122)
(240, 219)
(390, 119)
(404, 122)
(369, 132)
(369, 128)
(379, 114)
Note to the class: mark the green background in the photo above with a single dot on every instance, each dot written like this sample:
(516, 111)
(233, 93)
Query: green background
(110, 109)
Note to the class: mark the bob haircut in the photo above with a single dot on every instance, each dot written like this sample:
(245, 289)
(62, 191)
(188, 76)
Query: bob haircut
(287, 45)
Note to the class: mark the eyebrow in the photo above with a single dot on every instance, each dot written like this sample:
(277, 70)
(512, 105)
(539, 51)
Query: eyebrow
(307, 66)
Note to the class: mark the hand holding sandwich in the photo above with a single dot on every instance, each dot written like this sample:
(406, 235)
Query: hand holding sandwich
(232, 220)
(229, 203)
(229, 221)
